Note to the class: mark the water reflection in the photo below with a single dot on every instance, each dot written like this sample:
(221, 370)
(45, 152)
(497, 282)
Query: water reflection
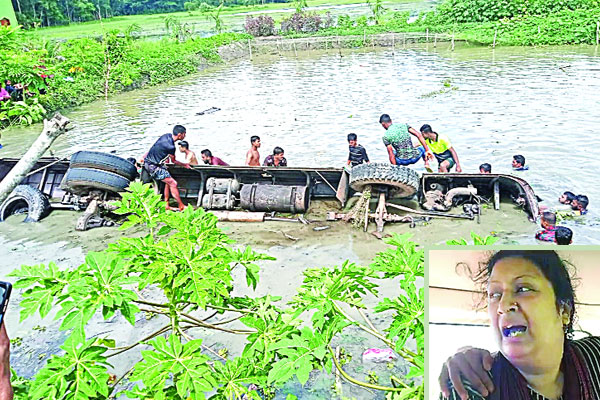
(537, 102)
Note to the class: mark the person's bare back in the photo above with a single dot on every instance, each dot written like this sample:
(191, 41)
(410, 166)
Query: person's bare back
(190, 158)
(252, 156)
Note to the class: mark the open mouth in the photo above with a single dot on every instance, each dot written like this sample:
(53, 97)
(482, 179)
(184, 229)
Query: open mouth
(514, 330)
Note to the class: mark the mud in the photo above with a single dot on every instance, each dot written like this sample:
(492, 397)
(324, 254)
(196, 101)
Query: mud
(55, 239)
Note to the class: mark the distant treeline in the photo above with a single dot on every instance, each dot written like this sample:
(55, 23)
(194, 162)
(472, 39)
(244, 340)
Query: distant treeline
(32, 13)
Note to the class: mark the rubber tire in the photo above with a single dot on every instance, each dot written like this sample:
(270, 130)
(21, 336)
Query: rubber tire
(104, 162)
(81, 180)
(403, 180)
(25, 197)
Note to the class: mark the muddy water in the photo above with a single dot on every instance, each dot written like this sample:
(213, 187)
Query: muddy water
(56, 240)
(537, 102)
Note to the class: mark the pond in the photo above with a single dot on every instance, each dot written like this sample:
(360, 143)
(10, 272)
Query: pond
(538, 102)
(541, 103)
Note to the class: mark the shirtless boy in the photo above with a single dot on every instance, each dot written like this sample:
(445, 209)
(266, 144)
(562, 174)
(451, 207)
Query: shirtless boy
(252, 156)
(190, 156)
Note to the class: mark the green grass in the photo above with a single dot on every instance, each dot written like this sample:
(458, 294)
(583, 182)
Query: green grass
(153, 24)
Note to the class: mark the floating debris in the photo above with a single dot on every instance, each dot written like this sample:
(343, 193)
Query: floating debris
(209, 111)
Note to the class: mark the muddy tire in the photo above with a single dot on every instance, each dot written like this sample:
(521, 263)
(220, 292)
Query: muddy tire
(104, 162)
(82, 180)
(403, 180)
(25, 199)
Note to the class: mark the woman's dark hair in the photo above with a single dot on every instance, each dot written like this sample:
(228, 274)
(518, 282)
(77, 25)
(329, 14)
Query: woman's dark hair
(549, 264)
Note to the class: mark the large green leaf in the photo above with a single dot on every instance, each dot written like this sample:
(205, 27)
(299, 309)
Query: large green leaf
(184, 364)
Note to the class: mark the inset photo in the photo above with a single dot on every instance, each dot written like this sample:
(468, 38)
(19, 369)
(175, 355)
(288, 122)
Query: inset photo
(513, 324)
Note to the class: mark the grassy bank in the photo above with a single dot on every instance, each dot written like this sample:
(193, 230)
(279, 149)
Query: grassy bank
(567, 27)
(154, 24)
(79, 71)
(512, 23)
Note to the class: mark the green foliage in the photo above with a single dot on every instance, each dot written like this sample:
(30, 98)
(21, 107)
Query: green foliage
(460, 11)
(35, 13)
(24, 112)
(477, 240)
(188, 263)
(82, 70)
(78, 374)
(377, 10)
(174, 368)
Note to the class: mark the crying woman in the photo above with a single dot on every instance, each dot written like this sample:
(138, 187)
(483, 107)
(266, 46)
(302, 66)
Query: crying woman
(531, 306)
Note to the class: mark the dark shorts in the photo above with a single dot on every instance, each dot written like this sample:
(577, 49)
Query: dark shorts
(157, 172)
(408, 161)
(445, 156)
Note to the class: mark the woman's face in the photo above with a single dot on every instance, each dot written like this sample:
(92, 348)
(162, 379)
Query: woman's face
(522, 307)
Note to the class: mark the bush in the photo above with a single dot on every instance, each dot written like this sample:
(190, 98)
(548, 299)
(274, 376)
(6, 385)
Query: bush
(305, 22)
(263, 25)
(451, 11)
(190, 5)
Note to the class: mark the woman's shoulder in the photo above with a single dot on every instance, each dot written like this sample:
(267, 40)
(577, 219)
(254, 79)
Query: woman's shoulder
(589, 345)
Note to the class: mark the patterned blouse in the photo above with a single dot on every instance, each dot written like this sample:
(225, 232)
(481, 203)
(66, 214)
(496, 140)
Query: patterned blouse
(589, 348)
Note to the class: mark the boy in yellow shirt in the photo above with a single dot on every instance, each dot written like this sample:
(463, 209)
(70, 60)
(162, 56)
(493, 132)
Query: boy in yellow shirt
(442, 149)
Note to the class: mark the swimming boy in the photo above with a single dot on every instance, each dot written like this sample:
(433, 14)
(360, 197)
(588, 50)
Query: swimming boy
(549, 225)
(563, 235)
(190, 156)
(209, 159)
(518, 163)
(566, 198)
(276, 159)
(252, 156)
(442, 149)
(579, 204)
(358, 154)
(163, 150)
(485, 168)
(399, 145)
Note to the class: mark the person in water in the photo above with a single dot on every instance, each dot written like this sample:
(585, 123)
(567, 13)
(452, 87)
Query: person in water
(208, 158)
(399, 145)
(549, 224)
(252, 156)
(531, 304)
(518, 163)
(190, 156)
(566, 198)
(357, 154)
(160, 153)
(563, 235)
(276, 159)
(580, 204)
(442, 149)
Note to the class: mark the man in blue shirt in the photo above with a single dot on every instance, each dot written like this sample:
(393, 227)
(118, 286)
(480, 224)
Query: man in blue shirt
(161, 152)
